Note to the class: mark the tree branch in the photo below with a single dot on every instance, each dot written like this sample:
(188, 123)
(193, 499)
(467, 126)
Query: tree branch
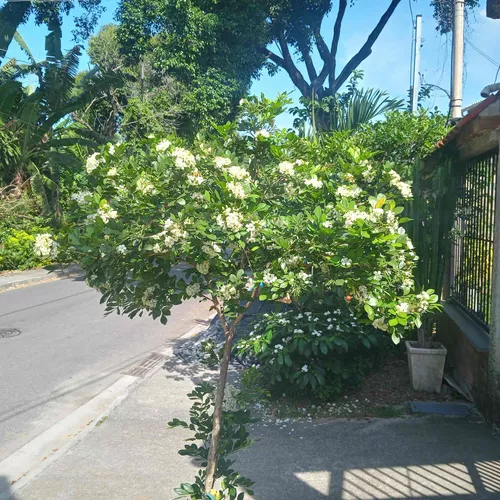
(335, 40)
(268, 54)
(365, 50)
(306, 56)
(292, 70)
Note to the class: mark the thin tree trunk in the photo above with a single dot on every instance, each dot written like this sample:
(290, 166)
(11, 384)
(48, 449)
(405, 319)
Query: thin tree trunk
(217, 418)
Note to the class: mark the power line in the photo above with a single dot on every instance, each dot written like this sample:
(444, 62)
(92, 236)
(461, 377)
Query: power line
(479, 51)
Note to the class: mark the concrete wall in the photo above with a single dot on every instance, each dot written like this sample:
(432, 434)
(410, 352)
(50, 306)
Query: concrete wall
(467, 359)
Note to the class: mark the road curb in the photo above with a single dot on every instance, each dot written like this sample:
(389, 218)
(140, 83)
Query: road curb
(21, 279)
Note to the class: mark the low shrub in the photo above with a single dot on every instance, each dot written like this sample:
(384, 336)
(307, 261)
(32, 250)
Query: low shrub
(17, 248)
(323, 352)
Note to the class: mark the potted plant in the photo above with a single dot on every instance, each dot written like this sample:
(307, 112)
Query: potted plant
(432, 212)
(426, 359)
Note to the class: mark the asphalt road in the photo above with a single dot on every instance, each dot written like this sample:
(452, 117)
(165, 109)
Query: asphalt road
(68, 352)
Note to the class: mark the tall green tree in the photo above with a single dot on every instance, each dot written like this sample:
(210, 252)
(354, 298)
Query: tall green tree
(234, 40)
(14, 14)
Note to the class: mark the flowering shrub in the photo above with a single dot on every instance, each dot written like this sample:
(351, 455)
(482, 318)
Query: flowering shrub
(324, 352)
(247, 214)
(19, 248)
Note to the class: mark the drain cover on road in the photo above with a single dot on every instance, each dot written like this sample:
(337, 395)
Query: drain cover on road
(439, 408)
(9, 332)
(148, 364)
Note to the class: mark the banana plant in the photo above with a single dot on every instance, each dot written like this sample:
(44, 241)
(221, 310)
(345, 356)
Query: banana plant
(39, 120)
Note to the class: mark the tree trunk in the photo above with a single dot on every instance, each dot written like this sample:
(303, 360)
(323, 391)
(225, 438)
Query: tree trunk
(219, 400)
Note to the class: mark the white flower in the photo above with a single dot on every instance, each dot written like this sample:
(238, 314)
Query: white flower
(45, 246)
(368, 171)
(262, 133)
(408, 283)
(242, 101)
(81, 196)
(221, 162)
(111, 149)
(238, 173)
(298, 330)
(299, 316)
(352, 216)
(328, 224)
(227, 292)
(314, 182)
(106, 213)
(193, 289)
(93, 162)
(405, 189)
(231, 220)
(268, 278)
(329, 327)
(163, 145)
(380, 324)
(278, 348)
(377, 275)
(211, 249)
(299, 162)
(121, 249)
(401, 231)
(203, 267)
(305, 368)
(144, 186)
(346, 262)
(315, 333)
(112, 172)
(195, 178)
(349, 191)
(286, 168)
(403, 307)
(236, 189)
(183, 158)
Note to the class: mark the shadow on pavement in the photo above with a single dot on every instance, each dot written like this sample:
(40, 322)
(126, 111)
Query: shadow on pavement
(5, 489)
(421, 458)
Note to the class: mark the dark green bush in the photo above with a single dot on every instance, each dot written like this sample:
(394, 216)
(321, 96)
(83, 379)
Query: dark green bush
(324, 351)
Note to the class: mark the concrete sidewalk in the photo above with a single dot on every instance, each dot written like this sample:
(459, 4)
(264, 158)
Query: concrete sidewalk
(16, 279)
(133, 456)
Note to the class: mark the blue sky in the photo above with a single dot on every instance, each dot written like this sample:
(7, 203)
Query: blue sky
(387, 68)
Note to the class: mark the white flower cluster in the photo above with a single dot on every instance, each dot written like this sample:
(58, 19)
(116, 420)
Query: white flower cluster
(230, 220)
(203, 267)
(81, 196)
(380, 324)
(403, 307)
(193, 289)
(237, 189)
(93, 162)
(221, 162)
(423, 301)
(173, 233)
(112, 172)
(148, 299)
(262, 133)
(227, 292)
(195, 178)
(183, 158)
(367, 173)
(314, 182)
(238, 173)
(349, 191)
(403, 187)
(345, 262)
(377, 275)
(268, 277)
(111, 149)
(162, 146)
(352, 216)
(144, 186)
(211, 249)
(121, 249)
(286, 168)
(106, 213)
(45, 246)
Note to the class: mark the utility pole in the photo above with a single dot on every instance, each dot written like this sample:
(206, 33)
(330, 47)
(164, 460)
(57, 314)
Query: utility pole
(416, 67)
(457, 60)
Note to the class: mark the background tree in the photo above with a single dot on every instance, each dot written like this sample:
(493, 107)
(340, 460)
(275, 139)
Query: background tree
(14, 14)
(236, 39)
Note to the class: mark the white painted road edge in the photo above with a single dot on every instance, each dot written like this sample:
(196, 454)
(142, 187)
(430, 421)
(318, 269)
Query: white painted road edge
(33, 458)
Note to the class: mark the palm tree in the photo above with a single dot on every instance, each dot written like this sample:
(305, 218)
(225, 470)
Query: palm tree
(40, 119)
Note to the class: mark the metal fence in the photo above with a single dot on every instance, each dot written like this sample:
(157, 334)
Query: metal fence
(472, 237)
